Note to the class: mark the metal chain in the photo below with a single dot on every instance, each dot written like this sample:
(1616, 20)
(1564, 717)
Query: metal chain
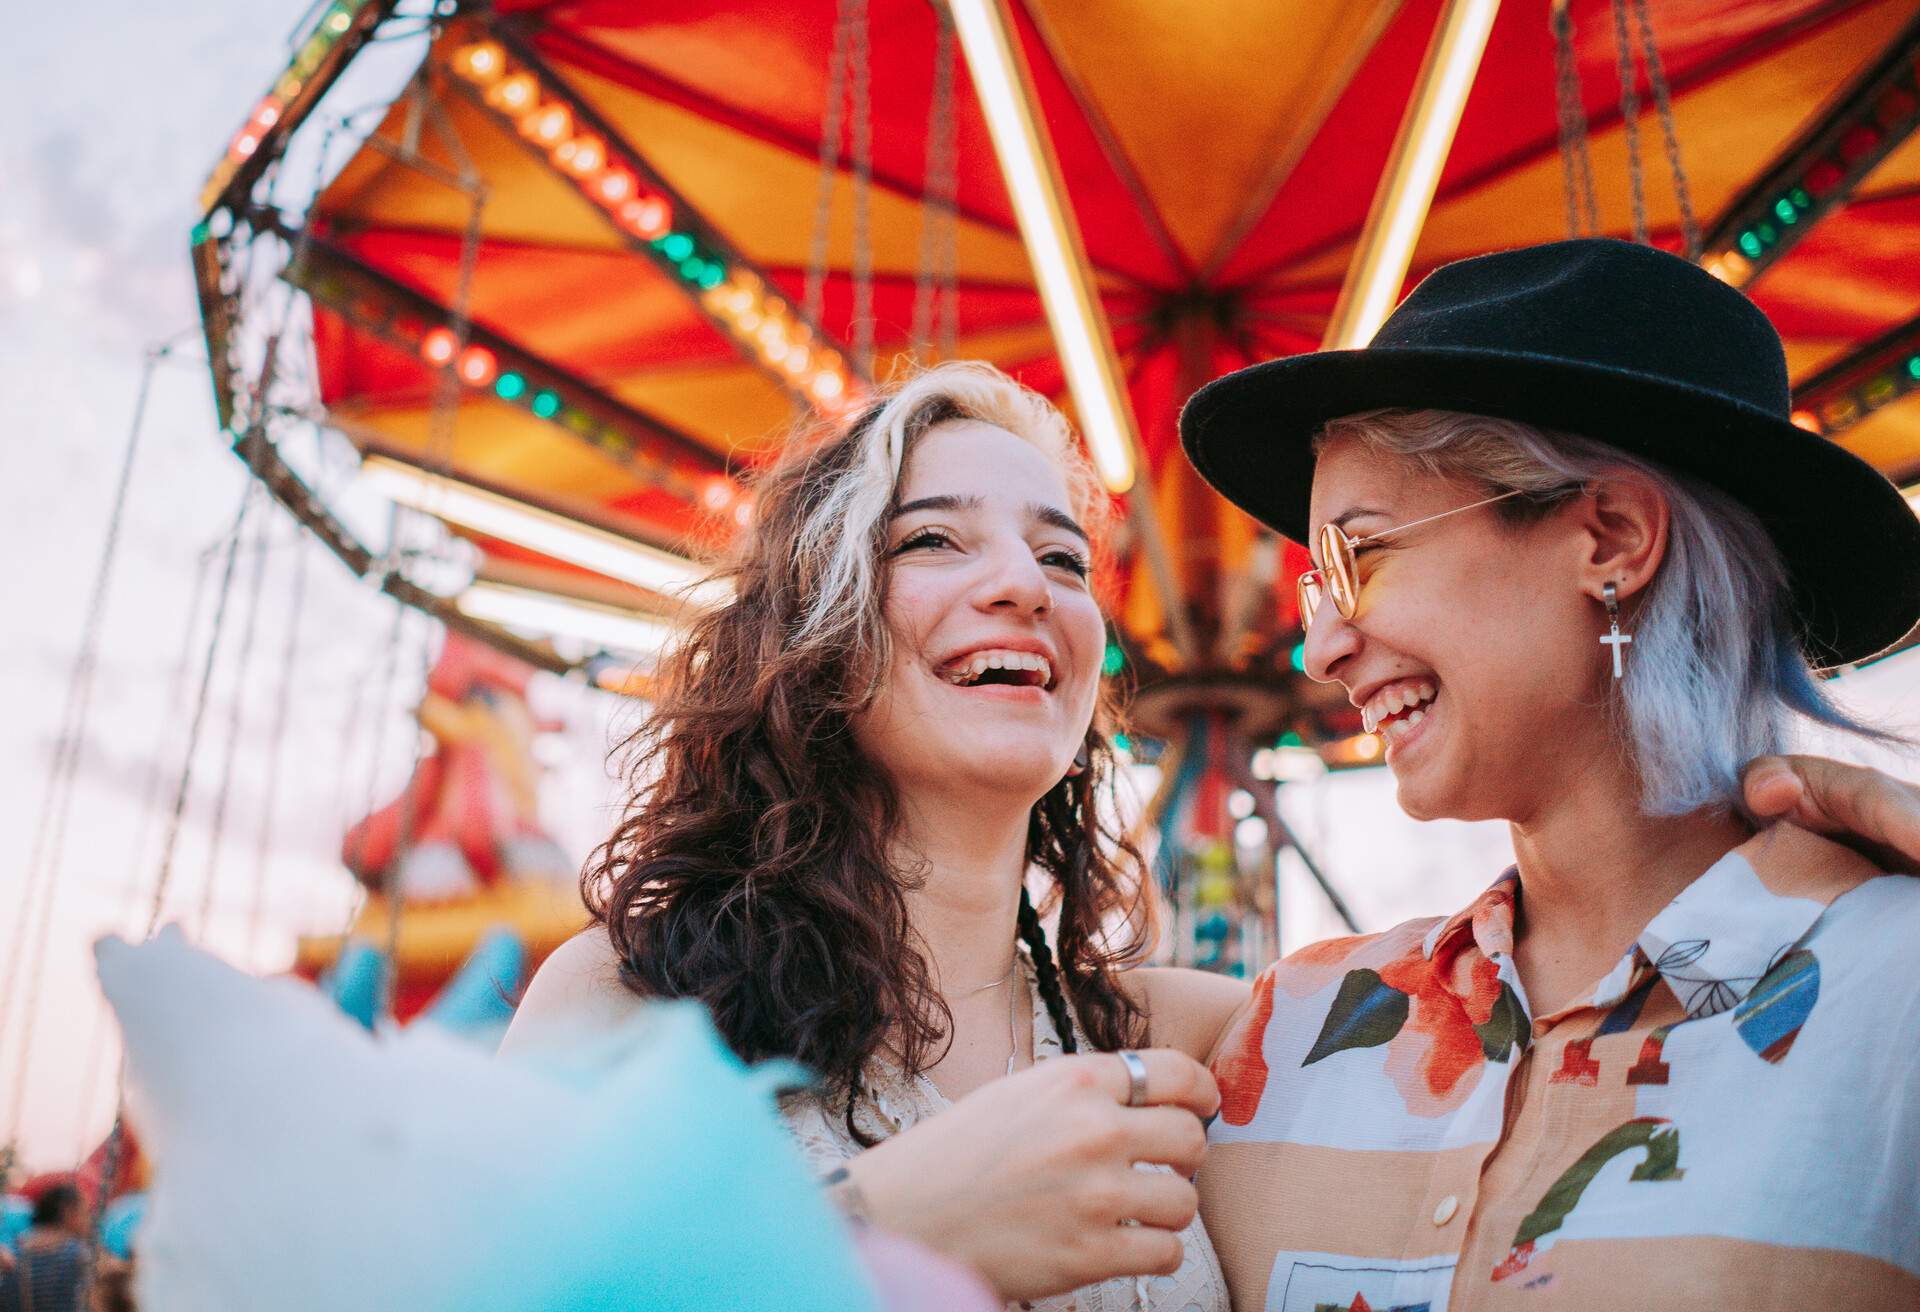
(1663, 103)
(183, 787)
(1576, 165)
(1630, 117)
(223, 791)
(57, 800)
(296, 607)
(829, 171)
(862, 69)
(935, 308)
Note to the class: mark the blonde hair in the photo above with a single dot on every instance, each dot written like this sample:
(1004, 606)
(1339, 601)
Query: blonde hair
(1716, 675)
(847, 522)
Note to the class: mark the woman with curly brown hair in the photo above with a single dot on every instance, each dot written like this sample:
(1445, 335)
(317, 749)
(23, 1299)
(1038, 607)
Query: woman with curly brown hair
(852, 773)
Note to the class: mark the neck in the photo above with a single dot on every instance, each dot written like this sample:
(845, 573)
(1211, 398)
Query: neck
(965, 906)
(1594, 870)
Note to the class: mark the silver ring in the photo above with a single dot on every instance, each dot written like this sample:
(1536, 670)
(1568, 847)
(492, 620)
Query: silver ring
(1136, 1078)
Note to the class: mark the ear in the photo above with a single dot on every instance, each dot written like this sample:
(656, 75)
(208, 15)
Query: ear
(1625, 518)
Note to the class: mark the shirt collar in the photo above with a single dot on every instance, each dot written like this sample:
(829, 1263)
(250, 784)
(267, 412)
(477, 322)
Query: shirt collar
(1726, 929)
(1485, 923)
(1715, 940)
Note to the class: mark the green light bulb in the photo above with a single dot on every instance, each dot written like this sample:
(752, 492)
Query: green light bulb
(712, 276)
(1767, 233)
(1114, 661)
(546, 404)
(693, 269)
(509, 387)
(1784, 208)
(1750, 245)
(1913, 367)
(1291, 739)
(1299, 658)
(1800, 198)
(1122, 743)
(676, 246)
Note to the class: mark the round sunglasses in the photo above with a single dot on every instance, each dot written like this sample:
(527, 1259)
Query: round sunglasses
(1336, 573)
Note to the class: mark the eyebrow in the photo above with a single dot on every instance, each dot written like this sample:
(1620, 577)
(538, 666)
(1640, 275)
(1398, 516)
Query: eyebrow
(1038, 510)
(1358, 512)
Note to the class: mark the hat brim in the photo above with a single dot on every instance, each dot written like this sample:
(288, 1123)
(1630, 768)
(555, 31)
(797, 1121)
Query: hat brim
(1850, 541)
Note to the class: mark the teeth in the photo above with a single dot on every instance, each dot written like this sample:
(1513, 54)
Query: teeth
(1409, 697)
(970, 669)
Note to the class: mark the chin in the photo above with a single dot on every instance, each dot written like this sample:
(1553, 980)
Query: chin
(1027, 775)
(1425, 797)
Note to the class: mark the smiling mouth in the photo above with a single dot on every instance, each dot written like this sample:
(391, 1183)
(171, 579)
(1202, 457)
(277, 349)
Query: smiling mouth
(1007, 669)
(1395, 710)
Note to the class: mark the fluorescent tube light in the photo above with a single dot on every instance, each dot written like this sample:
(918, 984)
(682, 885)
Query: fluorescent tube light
(542, 530)
(554, 616)
(1039, 203)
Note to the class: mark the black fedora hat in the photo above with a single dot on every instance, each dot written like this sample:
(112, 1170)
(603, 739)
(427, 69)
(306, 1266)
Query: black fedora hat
(1620, 343)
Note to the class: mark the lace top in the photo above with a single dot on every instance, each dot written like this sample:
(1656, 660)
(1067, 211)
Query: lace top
(890, 1103)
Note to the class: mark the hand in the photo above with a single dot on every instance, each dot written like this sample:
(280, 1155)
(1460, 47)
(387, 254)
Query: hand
(1872, 812)
(1028, 1179)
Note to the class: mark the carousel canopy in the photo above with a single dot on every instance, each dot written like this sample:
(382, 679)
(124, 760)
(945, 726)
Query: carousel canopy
(601, 255)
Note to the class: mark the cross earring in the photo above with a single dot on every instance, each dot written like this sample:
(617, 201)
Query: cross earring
(1614, 638)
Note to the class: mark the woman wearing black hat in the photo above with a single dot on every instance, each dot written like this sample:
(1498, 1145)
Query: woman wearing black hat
(1576, 567)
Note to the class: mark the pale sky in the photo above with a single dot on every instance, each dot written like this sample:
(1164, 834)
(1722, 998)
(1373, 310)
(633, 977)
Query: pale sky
(108, 133)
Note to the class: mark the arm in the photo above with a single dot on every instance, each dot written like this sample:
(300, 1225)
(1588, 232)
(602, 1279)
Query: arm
(576, 988)
(1187, 1010)
(1863, 808)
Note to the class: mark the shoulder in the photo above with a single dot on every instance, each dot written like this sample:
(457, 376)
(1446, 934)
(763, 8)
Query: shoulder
(1309, 970)
(577, 988)
(1186, 1009)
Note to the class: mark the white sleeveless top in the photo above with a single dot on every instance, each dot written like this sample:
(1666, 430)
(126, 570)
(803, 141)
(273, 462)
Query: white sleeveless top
(889, 1103)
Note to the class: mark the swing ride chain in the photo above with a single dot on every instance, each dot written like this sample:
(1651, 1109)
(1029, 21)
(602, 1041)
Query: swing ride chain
(849, 96)
(1576, 163)
(249, 628)
(1630, 117)
(49, 835)
(935, 317)
(862, 107)
(1663, 104)
(829, 171)
(283, 706)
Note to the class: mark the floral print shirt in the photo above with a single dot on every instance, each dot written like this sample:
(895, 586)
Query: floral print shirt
(1730, 1119)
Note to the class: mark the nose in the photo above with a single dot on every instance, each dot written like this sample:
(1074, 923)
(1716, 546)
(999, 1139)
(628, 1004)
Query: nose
(1012, 580)
(1330, 640)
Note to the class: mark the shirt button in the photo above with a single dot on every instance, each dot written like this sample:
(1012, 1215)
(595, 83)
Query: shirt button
(1444, 1212)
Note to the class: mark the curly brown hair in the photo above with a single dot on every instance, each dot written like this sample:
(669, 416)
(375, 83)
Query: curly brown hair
(752, 868)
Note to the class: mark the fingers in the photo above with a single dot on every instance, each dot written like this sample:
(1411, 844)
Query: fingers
(1144, 1250)
(1771, 786)
(1173, 1080)
(1871, 810)
(1156, 1198)
(1167, 1136)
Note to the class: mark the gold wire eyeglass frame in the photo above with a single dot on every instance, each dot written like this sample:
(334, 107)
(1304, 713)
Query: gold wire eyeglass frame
(1336, 573)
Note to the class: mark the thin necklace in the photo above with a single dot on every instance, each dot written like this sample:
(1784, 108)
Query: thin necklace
(1013, 1033)
(974, 993)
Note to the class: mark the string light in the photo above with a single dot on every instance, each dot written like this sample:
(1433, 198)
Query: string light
(1863, 124)
(477, 366)
(270, 112)
(770, 329)
(438, 347)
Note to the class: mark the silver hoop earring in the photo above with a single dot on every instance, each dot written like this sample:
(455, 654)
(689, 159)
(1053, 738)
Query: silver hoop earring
(1614, 638)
